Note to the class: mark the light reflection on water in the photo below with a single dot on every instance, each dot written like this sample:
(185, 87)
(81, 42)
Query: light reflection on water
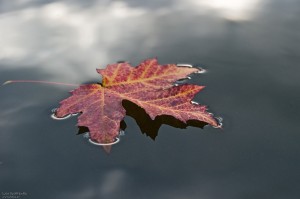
(252, 79)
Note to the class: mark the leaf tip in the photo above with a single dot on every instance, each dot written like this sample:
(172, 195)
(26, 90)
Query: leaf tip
(219, 121)
(107, 149)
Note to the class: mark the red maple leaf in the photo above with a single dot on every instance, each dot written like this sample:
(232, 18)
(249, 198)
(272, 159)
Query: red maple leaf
(149, 85)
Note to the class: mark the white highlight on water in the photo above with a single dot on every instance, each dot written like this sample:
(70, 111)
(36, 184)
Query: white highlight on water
(201, 71)
(185, 65)
(53, 116)
(193, 102)
(105, 144)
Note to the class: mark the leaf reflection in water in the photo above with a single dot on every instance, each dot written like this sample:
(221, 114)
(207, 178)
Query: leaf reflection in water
(150, 127)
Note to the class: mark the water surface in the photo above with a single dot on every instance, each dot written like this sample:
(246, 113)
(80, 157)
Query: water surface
(252, 57)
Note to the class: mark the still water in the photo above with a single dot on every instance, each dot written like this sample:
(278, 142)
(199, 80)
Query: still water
(250, 50)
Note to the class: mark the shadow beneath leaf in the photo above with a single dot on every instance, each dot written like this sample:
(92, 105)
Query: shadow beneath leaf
(150, 127)
(83, 129)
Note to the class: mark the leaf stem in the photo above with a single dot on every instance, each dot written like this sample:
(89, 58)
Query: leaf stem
(36, 81)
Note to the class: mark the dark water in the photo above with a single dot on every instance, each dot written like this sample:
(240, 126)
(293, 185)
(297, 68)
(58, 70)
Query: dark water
(252, 57)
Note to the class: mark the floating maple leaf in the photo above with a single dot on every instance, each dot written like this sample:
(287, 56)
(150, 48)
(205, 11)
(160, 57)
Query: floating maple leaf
(149, 85)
